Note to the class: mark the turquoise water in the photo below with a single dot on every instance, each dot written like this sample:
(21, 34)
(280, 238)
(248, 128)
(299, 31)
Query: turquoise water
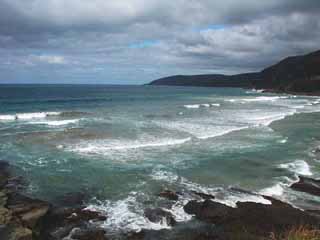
(124, 144)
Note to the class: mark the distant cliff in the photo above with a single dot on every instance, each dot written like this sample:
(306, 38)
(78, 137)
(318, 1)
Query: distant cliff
(299, 74)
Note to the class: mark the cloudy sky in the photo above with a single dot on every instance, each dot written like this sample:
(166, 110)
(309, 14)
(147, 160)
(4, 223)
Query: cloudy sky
(136, 41)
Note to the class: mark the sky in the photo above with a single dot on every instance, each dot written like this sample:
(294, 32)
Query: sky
(136, 41)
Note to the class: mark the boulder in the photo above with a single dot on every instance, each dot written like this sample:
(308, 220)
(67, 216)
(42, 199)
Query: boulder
(307, 185)
(89, 234)
(255, 219)
(29, 211)
(158, 215)
(60, 221)
(208, 210)
(204, 196)
(169, 195)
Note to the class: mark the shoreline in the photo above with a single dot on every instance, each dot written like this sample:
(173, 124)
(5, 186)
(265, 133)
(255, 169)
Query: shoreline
(25, 218)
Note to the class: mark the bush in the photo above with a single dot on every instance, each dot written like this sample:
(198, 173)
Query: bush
(298, 233)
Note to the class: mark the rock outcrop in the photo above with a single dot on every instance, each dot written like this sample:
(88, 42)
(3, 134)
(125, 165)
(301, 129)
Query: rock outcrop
(307, 185)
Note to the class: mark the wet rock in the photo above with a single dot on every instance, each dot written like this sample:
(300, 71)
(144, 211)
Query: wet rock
(5, 215)
(203, 195)
(4, 173)
(16, 183)
(307, 185)
(208, 210)
(15, 232)
(3, 198)
(158, 215)
(317, 150)
(89, 234)
(254, 219)
(169, 195)
(29, 211)
(59, 222)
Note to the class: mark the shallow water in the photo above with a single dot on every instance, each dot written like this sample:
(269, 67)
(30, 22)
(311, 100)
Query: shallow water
(124, 144)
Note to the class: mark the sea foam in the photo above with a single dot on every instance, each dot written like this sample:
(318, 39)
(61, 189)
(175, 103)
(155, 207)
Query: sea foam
(27, 116)
(299, 167)
(103, 147)
(57, 123)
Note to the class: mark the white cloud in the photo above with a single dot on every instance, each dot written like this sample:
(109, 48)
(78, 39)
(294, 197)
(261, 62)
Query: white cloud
(49, 59)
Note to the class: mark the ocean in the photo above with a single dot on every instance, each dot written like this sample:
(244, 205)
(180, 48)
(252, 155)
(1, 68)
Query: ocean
(122, 145)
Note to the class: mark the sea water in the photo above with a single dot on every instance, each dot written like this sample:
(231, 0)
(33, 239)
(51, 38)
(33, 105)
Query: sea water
(122, 145)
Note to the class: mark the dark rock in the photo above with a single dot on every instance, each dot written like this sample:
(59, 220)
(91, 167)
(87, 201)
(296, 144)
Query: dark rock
(16, 183)
(59, 221)
(254, 219)
(15, 232)
(317, 150)
(208, 210)
(307, 185)
(169, 195)
(30, 211)
(89, 234)
(203, 195)
(4, 173)
(159, 215)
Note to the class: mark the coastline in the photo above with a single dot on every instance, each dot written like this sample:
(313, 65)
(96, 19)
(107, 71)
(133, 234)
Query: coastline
(25, 218)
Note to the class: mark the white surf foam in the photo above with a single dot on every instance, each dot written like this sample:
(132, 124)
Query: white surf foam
(266, 118)
(104, 147)
(207, 105)
(192, 106)
(221, 133)
(275, 190)
(7, 117)
(299, 167)
(28, 116)
(201, 129)
(257, 99)
(227, 197)
(161, 175)
(285, 140)
(126, 215)
(215, 104)
(58, 122)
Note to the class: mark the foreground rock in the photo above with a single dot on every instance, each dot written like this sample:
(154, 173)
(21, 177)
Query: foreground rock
(159, 215)
(169, 195)
(307, 185)
(24, 218)
(251, 220)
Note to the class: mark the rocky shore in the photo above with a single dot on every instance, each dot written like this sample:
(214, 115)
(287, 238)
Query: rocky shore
(24, 218)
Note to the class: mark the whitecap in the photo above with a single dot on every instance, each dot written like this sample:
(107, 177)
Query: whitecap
(221, 133)
(202, 129)
(28, 116)
(215, 104)
(193, 106)
(205, 105)
(103, 147)
(7, 117)
(126, 215)
(275, 190)
(285, 140)
(161, 175)
(58, 122)
(299, 167)
(258, 99)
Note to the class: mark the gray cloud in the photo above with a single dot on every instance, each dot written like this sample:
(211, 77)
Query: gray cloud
(136, 41)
